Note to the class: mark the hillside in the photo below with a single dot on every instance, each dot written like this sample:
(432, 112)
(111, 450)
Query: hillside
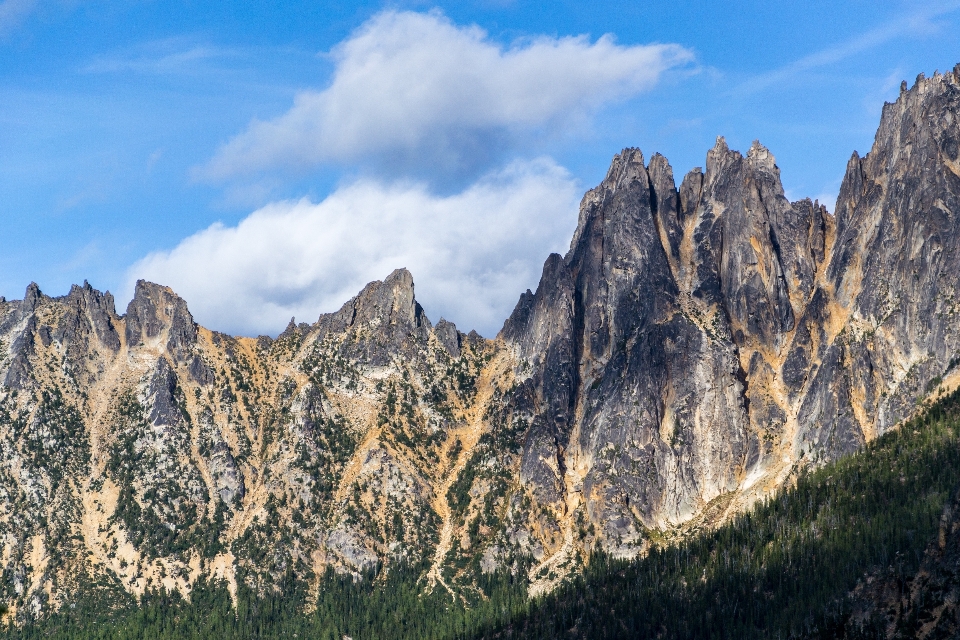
(826, 558)
(698, 349)
(829, 558)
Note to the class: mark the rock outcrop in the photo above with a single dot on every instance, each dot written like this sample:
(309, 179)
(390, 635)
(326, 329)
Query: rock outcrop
(698, 343)
(695, 347)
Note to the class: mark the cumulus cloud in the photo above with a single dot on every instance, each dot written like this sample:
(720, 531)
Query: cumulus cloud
(413, 92)
(471, 253)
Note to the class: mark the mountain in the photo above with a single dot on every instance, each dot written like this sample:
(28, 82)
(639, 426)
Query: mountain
(696, 349)
(839, 554)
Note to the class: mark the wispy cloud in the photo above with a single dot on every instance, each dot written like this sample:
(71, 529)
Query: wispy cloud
(918, 22)
(84, 257)
(413, 98)
(415, 93)
(168, 56)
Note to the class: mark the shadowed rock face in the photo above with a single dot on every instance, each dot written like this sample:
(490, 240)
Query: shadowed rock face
(695, 345)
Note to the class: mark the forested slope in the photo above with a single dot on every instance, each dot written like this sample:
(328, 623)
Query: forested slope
(787, 567)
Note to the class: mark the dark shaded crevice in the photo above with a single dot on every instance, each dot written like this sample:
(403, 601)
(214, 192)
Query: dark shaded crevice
(742, 377)
(662, 234)
(775, 243)
(782, 304)
(576, 380)
(353, 312)
(561, 459)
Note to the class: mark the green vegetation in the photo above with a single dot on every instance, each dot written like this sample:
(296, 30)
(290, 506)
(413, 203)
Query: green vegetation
(157, 514)
(380, 606)
(783, 569)
(54, 439)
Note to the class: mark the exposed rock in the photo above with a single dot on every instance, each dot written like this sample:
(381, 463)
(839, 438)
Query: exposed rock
(157, 312)
(703, 340)
(227, 477)
(693, 348)
(383, 322)
(449, 337)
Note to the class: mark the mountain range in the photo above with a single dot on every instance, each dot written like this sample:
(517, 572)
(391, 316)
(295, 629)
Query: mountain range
(698, 349)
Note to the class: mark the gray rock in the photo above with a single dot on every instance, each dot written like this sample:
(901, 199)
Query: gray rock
(673, 367)
(449, 337)
(383, 322)
(155, 309)
(694, 342)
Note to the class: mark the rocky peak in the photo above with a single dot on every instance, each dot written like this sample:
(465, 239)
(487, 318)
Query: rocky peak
(903, 190)
(694, 347)
(19, 310)
(391, 303)
(449, 337)
(754, 254)
(718, 155)
(157, 312)
(892, 326)
(605, 327)
(760, 157)
(293, 329)
(383, 320)
(625, 170)
(89, 310)
(31, 298)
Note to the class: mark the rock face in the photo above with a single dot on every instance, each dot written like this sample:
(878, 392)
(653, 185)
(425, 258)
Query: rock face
(697, 343)
(694, 347)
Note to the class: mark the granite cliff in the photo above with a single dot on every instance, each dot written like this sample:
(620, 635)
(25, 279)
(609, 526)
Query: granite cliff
(695, 347)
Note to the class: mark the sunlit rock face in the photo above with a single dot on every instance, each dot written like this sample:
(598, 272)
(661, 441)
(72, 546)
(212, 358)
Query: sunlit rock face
(696, 345)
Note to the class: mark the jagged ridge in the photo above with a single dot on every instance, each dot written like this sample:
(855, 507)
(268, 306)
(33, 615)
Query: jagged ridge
(695, 346)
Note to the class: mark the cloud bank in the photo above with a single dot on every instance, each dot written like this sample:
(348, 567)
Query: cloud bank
(429, 112)
(471, 254)
(413, 93)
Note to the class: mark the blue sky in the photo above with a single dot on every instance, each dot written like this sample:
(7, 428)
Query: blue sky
(266, 159)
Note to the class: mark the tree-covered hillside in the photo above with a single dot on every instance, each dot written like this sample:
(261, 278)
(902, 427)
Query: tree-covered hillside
(784, 569)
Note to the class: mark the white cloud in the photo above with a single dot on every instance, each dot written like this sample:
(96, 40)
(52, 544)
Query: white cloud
(471, 254)
(413, 91)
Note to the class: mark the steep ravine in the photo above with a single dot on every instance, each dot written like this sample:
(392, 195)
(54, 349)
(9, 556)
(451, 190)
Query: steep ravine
(695, 347)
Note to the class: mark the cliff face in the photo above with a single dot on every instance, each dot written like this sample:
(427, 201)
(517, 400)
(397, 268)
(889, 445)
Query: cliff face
(699, 342)
(694, 347)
